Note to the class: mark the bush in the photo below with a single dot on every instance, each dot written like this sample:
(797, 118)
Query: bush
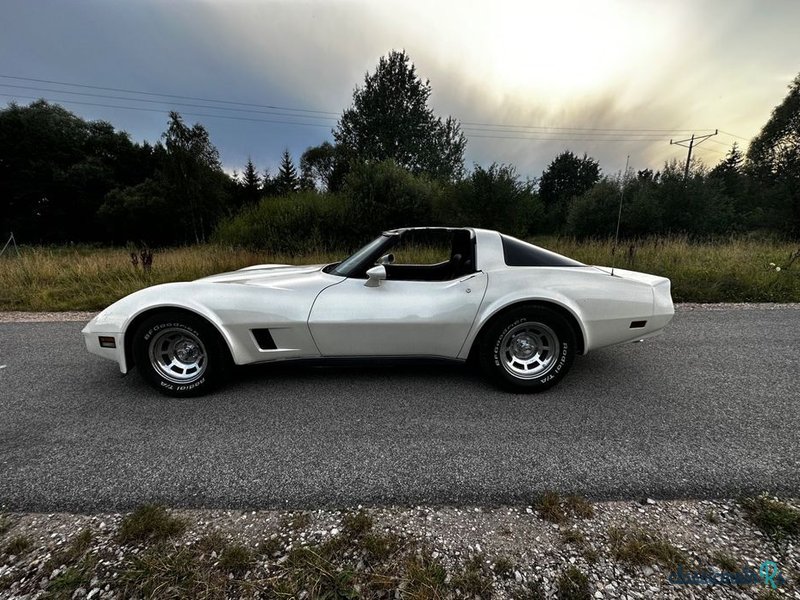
(294, 224)
(594, 214)
(495, 198)
(385, 196)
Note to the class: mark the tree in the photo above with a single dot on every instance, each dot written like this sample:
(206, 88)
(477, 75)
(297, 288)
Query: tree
(194, 175)
(316, 167)
(251, 183)
(138, 213)
(773, 158)
(287, 181)
(495, 198)
(565, 178)
(390, 120)
(594, 213)
(385, 195)
(56, 168)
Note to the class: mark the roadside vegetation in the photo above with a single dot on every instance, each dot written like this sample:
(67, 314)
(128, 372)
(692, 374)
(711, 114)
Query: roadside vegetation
(417, 553)
(392, 162)
(736, 269)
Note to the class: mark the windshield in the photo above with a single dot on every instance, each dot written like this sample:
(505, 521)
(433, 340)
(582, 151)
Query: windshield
(355, 264)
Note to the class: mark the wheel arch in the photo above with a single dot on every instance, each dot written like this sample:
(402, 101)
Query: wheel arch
(135, 323)
(554, 306)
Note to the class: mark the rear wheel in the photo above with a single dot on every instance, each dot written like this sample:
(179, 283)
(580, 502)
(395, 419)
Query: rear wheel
(528, 349)
(180, 354)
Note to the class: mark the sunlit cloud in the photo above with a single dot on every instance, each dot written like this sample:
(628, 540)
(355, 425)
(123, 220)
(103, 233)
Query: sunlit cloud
(579, 74)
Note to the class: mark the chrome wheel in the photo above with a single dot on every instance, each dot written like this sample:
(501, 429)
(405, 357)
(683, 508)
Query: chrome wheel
(529, 350)
(178, 355)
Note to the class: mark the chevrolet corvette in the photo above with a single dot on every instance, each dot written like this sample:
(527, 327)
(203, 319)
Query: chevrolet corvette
(519, 311)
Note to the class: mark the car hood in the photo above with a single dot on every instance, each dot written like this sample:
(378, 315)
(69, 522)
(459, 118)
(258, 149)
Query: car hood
(266, 275)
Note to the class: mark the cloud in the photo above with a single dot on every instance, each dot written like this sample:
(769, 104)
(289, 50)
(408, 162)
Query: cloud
(589, 66)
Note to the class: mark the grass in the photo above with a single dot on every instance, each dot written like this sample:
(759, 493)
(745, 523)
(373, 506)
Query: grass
(580, 507)
(149, 523)
(643, 547)
(17, 545)
(163, 571)
(712, 517)
(572, 536)
(296, 522)
(573, 585)
(85, 278)
(551, 507)
(357, 524)
(5, 524)
(504, 567)
(777, 519)
(236, 559)
(80, 575)
(74, 551)
(548, 505)
(725, 561)
(735, 269)
(532, 590)
(473, 580)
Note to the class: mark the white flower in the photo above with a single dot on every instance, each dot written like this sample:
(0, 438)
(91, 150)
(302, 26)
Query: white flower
(771, 264)
(777, 268)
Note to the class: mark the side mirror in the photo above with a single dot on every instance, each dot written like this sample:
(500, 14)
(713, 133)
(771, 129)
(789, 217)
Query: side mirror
(386, 259)
(376, 275)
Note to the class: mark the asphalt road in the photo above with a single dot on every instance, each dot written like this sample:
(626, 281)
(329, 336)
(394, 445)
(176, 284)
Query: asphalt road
(710, 409)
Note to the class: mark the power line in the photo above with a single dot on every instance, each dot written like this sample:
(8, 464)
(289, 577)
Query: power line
(568, 139)
(652, 136)
(735, 136)
(308, 112)
(581, 128)
(155, 110)
(542, 137)
(126, 91)
(171, 102)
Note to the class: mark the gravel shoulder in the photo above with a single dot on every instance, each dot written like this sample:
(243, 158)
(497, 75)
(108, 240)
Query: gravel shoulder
(503, 552)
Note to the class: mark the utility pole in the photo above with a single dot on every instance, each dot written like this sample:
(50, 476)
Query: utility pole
(693, 141)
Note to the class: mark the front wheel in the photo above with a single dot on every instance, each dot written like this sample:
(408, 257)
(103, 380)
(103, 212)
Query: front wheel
(180, 354)
(528, 349)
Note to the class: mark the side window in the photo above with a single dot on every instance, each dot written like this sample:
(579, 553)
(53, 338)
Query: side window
(432, 255)
(423, 247)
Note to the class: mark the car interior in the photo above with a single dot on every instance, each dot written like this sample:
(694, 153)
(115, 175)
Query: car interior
(456, 248)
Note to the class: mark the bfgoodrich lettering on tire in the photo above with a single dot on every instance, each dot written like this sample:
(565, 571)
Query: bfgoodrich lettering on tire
(180, 354)
(528, 349)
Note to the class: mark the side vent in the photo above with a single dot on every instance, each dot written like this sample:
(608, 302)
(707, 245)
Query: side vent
(638, 324)
(264, 339)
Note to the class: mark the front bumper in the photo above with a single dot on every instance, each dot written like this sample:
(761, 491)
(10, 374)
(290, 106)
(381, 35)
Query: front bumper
(91, 336)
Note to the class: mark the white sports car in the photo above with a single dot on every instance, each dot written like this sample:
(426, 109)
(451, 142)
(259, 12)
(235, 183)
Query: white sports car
(520, 311)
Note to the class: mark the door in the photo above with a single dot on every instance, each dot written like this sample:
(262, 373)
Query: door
(396, 318)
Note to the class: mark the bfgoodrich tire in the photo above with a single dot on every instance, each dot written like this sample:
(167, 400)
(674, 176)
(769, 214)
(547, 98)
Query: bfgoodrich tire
(180, 354)
(528, 349)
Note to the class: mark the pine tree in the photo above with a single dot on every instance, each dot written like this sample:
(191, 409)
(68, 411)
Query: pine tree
(287, 180)
(251, 182)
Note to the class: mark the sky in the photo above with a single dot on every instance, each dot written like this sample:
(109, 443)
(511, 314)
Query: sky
(527, 79)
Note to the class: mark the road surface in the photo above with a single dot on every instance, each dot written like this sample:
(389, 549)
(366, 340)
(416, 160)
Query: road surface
(710, 409)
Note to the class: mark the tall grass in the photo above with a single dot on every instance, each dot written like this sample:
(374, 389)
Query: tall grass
(83, 278)
(58, 279)
(735, 269)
